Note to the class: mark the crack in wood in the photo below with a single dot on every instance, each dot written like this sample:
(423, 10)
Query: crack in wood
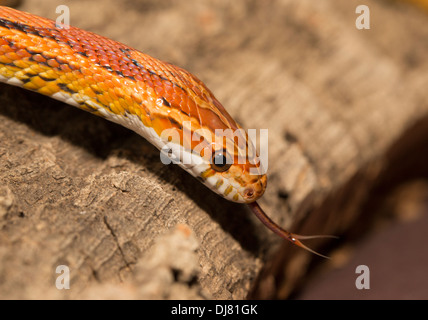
(127, 263)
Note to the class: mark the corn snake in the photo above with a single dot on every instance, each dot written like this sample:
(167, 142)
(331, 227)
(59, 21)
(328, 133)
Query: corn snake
(146, 95)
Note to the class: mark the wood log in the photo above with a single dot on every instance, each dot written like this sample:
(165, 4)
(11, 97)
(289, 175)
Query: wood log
(346, 111)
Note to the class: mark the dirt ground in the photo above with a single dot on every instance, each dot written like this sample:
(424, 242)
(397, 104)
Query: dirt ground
(346, 111)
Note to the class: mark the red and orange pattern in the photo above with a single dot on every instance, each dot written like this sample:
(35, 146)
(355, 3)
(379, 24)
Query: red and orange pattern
(121, 84)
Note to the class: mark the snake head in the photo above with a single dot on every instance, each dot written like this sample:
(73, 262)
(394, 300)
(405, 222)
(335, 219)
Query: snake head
(207, 142)
(225, 161)
(235, 171)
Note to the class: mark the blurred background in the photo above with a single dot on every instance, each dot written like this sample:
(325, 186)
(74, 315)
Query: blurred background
(346, 111)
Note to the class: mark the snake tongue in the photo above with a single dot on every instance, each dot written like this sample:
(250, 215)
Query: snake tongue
(293, 238)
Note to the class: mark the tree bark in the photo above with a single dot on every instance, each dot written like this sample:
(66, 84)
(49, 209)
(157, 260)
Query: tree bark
(346, 111)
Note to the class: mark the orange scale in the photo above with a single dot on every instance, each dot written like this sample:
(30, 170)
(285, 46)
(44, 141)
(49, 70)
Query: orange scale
(65, 68)
(39, 58)
(115, 67)
(104, 99)
(133, 67)
(65, 51)
(77, 74)
(125, 59)
(128, 100)
(27, 43)
(50, 74)
(159, 124)
(49, 89)
(113, 58)
(90, 52)
(147, 77)
(12, 56)
(173, 102)
(119, 92)
(168, 86)
(82, 82)
(71, 77)
(168, 90)
(124, 66)
(98, 78)
(34, 48)
(149, 88)
(107, 75)
(135, 73)
(138, 110)
(159, 90)
(177, 90)
(95, 87)
(89, 92)
(83, 63)
(187, 108)
(37, 68)
(77, 85)
(176, 98)
(72, 86)
(74, 65)
(136, 97)
(109, 83)
(103, 61)
(116, 82)
(38, 82)
(124, 104)
(126, 73)
(93, 59)
(145, 120)
(131, 108)
(13, 68)
(62, 59)
(92, 69)
(99, 49)
(115, 108)
(113, 95)
(6, 48)
(126, 84)
(44, 33)
(30, 85)
(55, 52)
(22, 64)
(102, 86)
(48, 55)
(120, 108)
(86, 72)
(77, 48)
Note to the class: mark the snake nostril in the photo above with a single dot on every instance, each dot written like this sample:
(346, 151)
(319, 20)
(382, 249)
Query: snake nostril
(249, 193)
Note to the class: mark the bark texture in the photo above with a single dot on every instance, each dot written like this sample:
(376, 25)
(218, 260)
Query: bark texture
(346, 111)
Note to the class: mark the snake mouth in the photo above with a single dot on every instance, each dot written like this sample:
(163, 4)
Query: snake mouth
(256, 190)
(249, 194)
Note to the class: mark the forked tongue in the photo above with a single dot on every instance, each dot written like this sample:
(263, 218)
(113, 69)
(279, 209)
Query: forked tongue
(293, 238)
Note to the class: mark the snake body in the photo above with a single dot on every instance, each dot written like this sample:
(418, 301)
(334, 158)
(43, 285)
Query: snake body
(125, 86)
(144, 94)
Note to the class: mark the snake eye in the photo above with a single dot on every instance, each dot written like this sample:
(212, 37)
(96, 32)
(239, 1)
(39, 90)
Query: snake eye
(221, 161)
